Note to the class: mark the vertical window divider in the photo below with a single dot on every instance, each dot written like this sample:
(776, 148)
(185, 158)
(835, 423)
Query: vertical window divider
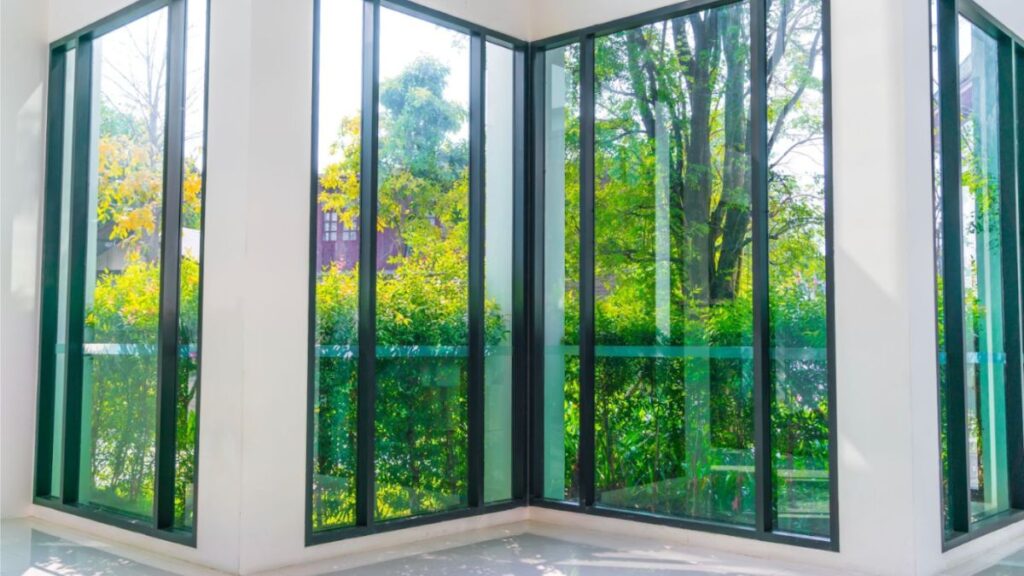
(78, 256)
(50, 270)
(830, 277)
(314, 210)
(170, 269)
(956, 394)
(587, 279)
(520, 355)
(366, 389)
(1011, 292)
(475, 397)
(535, 304)
(759, 203)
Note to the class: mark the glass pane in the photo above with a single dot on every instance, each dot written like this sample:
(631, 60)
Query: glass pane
(189, 265)
(561, 272)
(422, 272)
(337, 264)
(499, 109)
(122, 295)
(797, 281)
(60, 356)
(985, 367)
(674, 315)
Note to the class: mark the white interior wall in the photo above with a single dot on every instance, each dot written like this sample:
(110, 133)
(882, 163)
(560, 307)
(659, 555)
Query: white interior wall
(24, 61)
(250, 508)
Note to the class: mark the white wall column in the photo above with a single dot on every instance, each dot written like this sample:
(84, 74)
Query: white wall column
(25, 68)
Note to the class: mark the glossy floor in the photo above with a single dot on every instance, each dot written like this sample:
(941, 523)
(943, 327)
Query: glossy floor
(32, 548)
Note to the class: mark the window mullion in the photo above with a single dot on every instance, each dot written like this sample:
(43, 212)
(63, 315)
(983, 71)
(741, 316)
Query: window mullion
(520, 381)
(170, 269)
(477, 56)
(759, 204)
(953, 291)
(1010, 261)
(50, 288)
(535, 307)
(366, 393)
(587, 281)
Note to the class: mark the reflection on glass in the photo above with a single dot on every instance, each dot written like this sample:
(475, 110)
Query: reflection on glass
(797, 290)
(985, 366)
(674, 315)
(422, 276)
(337, 265)
(122, 292)
(193, 191)
(499, 207)
(561, 273)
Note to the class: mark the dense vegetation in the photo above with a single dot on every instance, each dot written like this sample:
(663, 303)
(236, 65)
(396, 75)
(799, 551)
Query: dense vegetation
(674, 320)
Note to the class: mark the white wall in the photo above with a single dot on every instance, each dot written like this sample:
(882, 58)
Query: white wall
(24, 61)
(512, 17)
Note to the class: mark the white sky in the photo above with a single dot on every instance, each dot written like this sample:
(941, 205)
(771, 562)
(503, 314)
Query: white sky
(118, 58)
(403, 39)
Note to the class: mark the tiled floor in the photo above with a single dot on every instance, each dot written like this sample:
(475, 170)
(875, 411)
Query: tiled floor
(31, 548)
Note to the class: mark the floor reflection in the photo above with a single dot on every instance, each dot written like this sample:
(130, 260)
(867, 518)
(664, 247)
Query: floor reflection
(28, 549)
(542, 552)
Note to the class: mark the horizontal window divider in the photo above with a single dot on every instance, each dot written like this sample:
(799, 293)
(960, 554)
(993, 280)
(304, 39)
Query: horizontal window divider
(142, 526)
(690, 524)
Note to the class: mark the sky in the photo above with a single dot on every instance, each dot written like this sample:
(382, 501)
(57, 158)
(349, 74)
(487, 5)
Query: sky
(118, 58)
(403, 39)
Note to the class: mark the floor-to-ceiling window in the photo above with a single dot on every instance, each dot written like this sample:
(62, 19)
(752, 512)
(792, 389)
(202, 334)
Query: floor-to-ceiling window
(414, 242)
(336, 233)
(119, 362)
(683, 267)
(977, 231)
(674, 315)
(799, 279)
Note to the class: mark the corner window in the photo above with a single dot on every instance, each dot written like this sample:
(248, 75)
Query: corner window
(120, 354)
(978, 268)
(684, 276)
(413, 406)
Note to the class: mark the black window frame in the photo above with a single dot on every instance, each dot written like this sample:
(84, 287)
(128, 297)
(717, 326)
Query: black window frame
(952, 391)
(763, 386)
(479, 37)
(162, 523)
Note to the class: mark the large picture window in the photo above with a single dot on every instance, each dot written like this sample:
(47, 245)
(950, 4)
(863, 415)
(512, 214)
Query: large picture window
(684, 270)
(978, 267)
(119, 366)
(413, 411)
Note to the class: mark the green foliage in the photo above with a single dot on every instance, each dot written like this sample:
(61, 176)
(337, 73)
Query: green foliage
(421, 316)
(122, 384)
